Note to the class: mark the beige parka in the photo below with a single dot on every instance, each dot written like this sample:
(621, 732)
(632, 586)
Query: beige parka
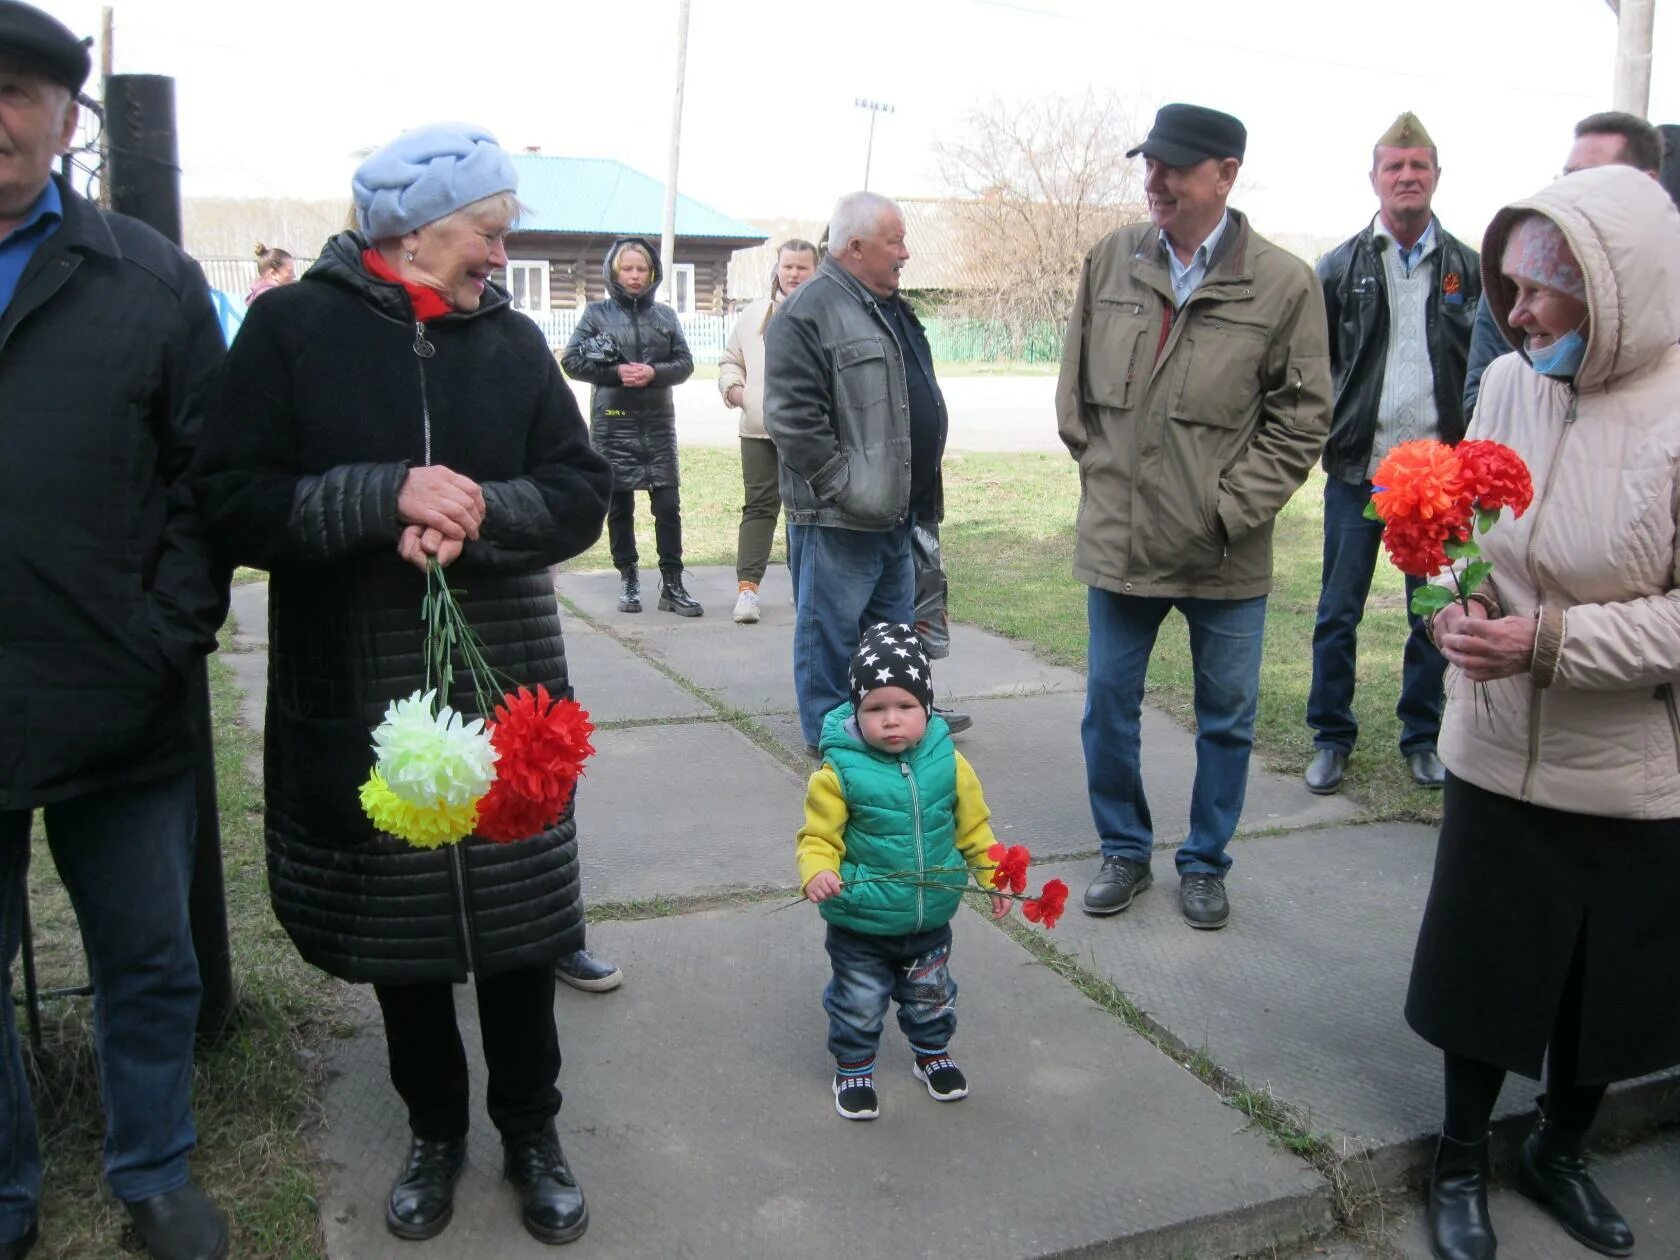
(1594, 726)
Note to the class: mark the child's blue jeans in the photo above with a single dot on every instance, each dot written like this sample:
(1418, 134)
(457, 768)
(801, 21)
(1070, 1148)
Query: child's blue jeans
(869, 971)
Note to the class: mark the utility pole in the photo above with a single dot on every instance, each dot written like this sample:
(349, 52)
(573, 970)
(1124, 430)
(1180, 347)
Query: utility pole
(668, 234)
(1634, 22)
(107, 24)
(874, 107)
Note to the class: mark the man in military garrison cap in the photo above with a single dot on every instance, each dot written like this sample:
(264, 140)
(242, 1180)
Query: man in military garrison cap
(1195, 396)
(1400, 296)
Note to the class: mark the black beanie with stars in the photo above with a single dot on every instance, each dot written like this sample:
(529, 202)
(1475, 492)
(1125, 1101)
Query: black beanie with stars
(890, 655)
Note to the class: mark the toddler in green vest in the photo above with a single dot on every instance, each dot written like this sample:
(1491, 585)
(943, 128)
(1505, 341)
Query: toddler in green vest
(893, 797)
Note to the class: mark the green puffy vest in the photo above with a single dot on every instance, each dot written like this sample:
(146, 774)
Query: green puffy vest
(901, 817)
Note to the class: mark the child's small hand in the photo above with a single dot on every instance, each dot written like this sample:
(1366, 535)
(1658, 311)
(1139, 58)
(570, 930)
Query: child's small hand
(1001, 906)
(823, 885)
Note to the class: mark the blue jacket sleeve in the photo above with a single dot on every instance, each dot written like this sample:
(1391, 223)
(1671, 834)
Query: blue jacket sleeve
(1487, 343)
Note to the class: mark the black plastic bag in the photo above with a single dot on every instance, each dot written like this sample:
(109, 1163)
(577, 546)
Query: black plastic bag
(933, 623)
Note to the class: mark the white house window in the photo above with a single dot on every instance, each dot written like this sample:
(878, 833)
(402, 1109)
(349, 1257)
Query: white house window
(682, 288)
(528, 283)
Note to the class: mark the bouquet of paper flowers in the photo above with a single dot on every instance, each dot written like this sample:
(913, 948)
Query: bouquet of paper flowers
(1005, 877)
(437, 778)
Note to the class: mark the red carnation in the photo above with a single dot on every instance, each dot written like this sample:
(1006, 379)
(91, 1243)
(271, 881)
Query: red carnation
(505, 816)
(1047, 907)
(1495, 476)
(1010, 867)
(542, 745)
(1418, 547)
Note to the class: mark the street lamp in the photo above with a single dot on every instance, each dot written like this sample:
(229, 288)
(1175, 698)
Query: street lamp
(874, 107)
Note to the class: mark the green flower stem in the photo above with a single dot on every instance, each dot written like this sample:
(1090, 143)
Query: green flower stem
(447, 631)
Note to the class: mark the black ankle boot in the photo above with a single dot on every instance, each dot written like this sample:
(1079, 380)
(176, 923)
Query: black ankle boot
(1459, 1228)
(1550, 1171)
(554, 1210)
(423, 1198)
(629, 591)
(180, 1224)
(672, 597)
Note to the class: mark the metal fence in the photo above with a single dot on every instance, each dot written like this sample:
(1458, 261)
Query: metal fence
(705, 334)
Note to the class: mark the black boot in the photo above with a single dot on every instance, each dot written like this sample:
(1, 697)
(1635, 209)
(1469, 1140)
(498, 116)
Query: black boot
(423, 1198)
(629, 591)
(554, 1210)
(672, 597)
(181, 1224)
(1550, 1171)
(1459, 1228)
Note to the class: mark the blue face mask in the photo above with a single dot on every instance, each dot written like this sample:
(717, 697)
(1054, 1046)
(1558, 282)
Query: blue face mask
(1562, 358)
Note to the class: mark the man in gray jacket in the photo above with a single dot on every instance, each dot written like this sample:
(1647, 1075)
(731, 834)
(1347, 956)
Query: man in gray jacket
(851, 402)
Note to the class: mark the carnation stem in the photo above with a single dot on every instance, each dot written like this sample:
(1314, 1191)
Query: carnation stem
(447, 630)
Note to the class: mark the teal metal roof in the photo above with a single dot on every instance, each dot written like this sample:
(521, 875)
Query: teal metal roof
(599, 195)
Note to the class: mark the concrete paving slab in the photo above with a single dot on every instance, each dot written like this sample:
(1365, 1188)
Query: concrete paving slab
(685, 809)
(250, 672)
(249, 609)
(720, 1140)
(1304, 991)
(1028, 756)
(595, 592)
(616, 685)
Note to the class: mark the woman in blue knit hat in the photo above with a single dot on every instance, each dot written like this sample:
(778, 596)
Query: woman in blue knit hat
(389, 411)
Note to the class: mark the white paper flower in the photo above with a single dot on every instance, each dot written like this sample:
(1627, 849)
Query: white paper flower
(426, 758)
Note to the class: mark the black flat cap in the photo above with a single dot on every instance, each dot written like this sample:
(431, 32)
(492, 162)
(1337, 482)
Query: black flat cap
(42, 43)
(1184, 135)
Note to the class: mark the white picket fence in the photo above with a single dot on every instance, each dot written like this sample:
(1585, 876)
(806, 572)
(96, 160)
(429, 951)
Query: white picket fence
(706, 334)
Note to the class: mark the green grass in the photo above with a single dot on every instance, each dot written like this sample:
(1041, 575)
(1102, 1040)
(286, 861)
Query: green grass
(1008, 542)
(256, 1091)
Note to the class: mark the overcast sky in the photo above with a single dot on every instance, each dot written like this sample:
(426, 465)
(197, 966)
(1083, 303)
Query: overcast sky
(276, 98)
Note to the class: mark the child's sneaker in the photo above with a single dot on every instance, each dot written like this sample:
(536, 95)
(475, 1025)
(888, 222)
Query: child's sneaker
(944, 1079)
(854, 1096)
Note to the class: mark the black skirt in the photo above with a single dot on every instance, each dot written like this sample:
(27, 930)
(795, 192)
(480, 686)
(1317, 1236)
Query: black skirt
(1517, 889)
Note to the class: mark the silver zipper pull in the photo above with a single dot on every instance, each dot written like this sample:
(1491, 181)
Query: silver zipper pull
(422, 347)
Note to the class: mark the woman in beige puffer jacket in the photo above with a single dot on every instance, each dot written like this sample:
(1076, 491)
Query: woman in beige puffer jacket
(1550, 930)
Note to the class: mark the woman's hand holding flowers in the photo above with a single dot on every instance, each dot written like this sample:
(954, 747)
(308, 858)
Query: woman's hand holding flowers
(437, 498)
(418, 546)
(1486, 650)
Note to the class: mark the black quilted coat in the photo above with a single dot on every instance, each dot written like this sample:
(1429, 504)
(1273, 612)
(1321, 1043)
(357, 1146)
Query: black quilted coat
(329, 396)
(636, 429)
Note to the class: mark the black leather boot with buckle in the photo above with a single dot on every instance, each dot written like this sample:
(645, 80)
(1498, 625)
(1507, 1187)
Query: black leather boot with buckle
(554, 1210)
(1459, 1226)
(1550, 1171)
(672, 597)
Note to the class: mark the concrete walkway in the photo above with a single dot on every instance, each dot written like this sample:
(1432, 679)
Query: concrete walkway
(697, 1108)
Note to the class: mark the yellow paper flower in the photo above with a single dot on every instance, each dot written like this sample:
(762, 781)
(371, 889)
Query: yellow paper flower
(423, 826)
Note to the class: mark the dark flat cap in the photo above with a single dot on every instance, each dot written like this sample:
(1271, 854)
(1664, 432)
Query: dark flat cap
(42, 43)
(1184, 135)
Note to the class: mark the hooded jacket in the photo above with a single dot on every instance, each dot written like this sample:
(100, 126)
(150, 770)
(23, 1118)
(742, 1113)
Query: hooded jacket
(636, 429)
(108, 351)
(1593, 727)
(743, 364)
(331, 394)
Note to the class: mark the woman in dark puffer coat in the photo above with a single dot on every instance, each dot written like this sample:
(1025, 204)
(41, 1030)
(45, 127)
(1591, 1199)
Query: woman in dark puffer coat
(388, 410)
(631, 350)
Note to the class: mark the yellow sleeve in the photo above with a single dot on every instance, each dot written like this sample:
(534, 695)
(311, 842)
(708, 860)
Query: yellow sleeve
(974, 827)
(822, 838)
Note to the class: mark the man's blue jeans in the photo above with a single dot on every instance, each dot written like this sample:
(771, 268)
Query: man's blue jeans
(126, 857)
(848, 579)
(1225, 641)
(1351, 545)
(872, 971)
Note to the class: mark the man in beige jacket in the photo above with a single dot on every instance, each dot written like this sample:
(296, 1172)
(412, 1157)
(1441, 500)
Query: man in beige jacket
(1195, 395)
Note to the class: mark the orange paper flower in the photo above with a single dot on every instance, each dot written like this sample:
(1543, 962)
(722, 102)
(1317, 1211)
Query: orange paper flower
(1419, 479)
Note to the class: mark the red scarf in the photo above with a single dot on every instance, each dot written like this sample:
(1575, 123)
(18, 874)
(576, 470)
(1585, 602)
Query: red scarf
(428, 303)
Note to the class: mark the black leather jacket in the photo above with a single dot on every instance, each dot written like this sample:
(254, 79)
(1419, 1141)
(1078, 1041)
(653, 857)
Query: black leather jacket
(1356, 303)
(837, 405)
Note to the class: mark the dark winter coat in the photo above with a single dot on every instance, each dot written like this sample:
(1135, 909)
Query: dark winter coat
(1356, 306)
(636, 429)
(328, 399)
(107, 354)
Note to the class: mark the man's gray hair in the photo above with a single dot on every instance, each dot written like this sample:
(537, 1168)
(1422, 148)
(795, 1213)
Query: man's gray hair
(856, 217)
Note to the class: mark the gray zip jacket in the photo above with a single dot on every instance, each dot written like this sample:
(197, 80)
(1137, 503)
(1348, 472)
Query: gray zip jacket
(837, 406)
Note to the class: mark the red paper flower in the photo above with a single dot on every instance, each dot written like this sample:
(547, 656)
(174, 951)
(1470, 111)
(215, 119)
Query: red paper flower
(1495, 476)
(1450, 283)
(1418, 547)
(1010, 867)
(1047, 907)
(1418, 479)
(542, 745)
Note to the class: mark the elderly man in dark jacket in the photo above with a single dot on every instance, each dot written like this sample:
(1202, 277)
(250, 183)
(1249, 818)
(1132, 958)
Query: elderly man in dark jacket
(1400, 297)
(107, 346)
(859, 423)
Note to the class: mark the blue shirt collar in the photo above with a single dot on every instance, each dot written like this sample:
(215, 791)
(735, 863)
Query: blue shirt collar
(1187, 277)
(1409, 258)
(48, 205)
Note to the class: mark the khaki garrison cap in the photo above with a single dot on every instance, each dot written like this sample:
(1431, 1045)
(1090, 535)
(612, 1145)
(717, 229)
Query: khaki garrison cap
(1407, 132)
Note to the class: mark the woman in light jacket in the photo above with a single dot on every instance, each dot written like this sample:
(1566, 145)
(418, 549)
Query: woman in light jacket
(1550, 931)
(741, 382)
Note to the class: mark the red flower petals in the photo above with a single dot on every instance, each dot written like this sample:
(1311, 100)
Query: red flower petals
(1495, 476)
(542, 745)
(1047, 907)
(1010, 867)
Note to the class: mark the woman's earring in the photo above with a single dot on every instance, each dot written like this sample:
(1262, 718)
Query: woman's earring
(408, 254)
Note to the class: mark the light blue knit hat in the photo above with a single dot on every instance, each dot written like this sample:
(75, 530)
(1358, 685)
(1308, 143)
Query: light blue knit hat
(425, 174)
